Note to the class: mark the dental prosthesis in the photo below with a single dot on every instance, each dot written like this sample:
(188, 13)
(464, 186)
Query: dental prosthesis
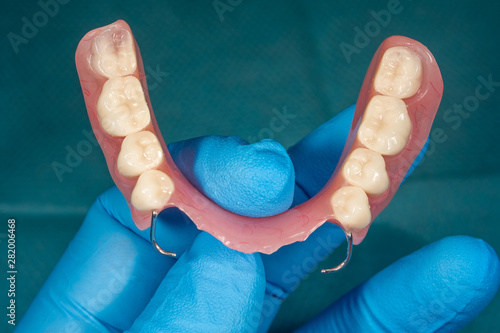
(394, 113)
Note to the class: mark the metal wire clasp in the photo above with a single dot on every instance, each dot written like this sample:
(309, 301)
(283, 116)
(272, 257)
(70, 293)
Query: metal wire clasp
(344, 263)
(154, 216)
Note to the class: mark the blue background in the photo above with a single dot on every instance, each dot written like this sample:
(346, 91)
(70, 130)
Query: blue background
(225, 77)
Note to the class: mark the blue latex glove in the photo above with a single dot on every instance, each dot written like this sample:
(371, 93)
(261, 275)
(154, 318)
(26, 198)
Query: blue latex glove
(111, 279)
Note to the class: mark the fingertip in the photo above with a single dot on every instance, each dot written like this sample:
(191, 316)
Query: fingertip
(441, 287)
(243, 275)
(445, 285)
(211, 288)
(248, 179)
(213, 256)
(471, 269)
(454, 279)
(461, 277)
(269, 175)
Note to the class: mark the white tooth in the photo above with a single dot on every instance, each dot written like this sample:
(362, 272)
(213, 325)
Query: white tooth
(139, 152)
(122, 108)
(399, 73)
(351, 207)
(385, 126)
(113, 53)
(152, 191)
(366, 169)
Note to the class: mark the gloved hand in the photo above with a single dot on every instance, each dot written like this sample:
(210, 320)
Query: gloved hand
(111, 279)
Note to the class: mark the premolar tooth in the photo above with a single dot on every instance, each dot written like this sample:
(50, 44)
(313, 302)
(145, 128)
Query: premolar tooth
(152, 190)
(122, 108)
(399, 73)
(351, 207)
(366, 168)
(113, 53)
(140, 151)
(386, 126)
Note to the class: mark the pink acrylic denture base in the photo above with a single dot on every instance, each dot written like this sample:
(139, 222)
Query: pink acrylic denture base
(267, 234)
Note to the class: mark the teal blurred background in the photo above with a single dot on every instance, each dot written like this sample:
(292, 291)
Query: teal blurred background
(225, 74)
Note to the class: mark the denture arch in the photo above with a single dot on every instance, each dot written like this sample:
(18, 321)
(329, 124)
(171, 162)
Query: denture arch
(268, 234)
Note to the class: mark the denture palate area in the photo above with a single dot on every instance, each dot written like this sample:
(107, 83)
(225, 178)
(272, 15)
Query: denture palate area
(384, 131)
(123, 113)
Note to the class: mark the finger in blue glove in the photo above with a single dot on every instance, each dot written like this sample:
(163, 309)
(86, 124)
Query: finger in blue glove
(210, 289)
(439, 288)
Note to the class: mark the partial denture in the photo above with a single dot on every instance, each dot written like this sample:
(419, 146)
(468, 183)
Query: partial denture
(394, 113)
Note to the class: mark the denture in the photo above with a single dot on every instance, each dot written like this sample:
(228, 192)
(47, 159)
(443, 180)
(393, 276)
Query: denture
(395, 109)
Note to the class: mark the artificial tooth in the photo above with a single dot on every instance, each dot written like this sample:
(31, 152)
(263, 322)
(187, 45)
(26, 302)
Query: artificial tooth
(140, 151)
(122, 108)
(385, 127)
(113, 53)
(366, 168)
(152, 190)
(399, 73)
(351, 207)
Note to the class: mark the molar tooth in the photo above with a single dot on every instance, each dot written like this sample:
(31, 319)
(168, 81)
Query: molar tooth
(399, 73)
(366, 169)
(140, 151)
(152, 190)
(351, 207)
(386, 126)
(113, 53)
(121, 107)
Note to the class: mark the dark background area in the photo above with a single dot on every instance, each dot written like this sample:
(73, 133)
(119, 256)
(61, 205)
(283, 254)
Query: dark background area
(223, 75)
